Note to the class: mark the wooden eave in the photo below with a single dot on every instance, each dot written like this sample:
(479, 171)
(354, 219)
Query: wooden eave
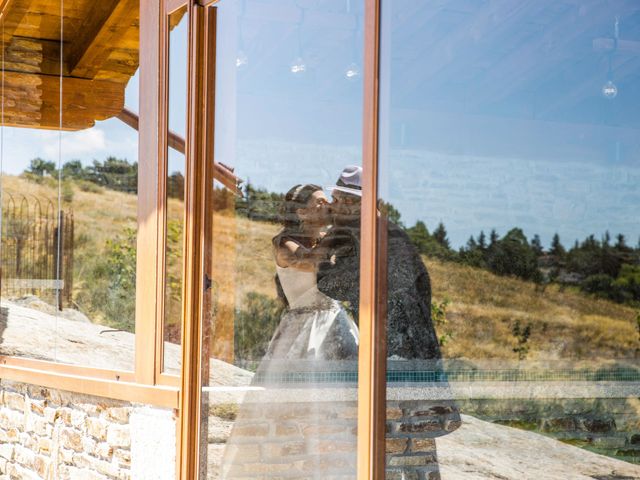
(97, 57)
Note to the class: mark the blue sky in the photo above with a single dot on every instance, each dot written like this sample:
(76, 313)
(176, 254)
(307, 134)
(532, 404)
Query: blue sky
(575, 173)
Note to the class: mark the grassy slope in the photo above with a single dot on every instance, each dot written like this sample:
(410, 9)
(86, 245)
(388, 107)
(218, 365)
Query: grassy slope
(565, 324)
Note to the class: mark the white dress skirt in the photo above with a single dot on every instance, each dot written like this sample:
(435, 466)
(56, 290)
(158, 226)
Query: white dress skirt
(299, 417)
(314, 327)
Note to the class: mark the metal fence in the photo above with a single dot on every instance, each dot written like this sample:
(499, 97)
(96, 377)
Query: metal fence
(36, 255)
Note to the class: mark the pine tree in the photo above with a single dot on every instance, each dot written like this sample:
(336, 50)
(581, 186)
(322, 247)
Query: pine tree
(536, 245)
(440, 235)
(493, 237)
(482, 240)
(556, 247)
(621, 242)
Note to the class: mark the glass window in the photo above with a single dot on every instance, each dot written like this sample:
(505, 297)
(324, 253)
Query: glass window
(281, 339)
(174, 188)
(509, 178)
(69, 192)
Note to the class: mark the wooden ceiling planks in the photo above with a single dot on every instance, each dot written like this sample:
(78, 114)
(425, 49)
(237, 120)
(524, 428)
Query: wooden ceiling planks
(103, 33)
(100, 55)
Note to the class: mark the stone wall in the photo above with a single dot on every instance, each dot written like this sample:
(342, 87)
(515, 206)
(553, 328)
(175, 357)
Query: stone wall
(412, 427)
(47, 434)
(291, 439)
(607, 425)
(286, 440)
(317, 438)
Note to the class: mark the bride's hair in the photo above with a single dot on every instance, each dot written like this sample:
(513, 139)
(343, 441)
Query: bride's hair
(296, 198)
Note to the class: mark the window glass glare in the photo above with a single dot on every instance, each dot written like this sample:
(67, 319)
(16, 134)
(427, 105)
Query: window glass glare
(509, 175)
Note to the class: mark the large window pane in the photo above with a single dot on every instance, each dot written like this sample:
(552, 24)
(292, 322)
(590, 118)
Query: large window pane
(175, 192)
(280, 346)
(69, 217)
(509, 175)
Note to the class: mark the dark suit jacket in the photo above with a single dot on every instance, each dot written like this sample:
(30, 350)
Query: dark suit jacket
(410, 331)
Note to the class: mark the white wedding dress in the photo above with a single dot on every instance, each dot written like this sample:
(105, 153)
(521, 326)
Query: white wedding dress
(314, 327)
(297, 406)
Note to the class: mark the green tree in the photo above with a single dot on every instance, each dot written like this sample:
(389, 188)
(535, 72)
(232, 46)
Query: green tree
(482, 241)
(41, 168)
(512, 255)
(419, 236)
(440, 236)
(391, 212)
(536, 245)
(557, 250)
(73, 169)
(115, 174)
(493, 237)
(621, 243)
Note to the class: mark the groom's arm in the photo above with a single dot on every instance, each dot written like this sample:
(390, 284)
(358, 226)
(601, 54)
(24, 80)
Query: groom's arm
(338, 272)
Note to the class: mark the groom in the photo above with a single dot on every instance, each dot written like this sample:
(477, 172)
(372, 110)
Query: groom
(410, 331)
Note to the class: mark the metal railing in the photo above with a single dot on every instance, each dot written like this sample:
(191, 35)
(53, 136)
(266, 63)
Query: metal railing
(36, 255)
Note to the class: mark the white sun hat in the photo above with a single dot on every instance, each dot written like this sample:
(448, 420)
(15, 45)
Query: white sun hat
(350, 181)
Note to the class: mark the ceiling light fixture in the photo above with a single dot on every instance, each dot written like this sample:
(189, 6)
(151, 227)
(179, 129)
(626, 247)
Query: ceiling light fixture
(242, 60)
(352, 72)
(298, 65)
(609, 89)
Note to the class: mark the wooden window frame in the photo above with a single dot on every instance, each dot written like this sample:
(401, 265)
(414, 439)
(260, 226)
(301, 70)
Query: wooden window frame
(372, 356)
(167, 7)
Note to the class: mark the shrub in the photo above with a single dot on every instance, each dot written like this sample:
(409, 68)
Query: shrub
(522, 334)
(67, 192)
(108, 285)
(89, 187)
(439, 318)
(255, 325)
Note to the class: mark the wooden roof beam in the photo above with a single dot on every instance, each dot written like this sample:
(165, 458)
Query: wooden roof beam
(11, 13)
(30, 55)
(33, 101)
(221, 172)
(108, 21)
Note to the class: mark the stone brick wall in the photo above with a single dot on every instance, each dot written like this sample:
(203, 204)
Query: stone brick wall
(412, 427)
(47, 434)
(318, 439)
(608, 425)
(288, 439)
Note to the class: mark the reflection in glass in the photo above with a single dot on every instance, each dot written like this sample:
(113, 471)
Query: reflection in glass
(69, 195)
(175, 193)
(513, 173)
(280, 394)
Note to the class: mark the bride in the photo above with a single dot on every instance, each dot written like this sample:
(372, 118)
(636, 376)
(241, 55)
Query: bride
(315, 338)
(314, 326)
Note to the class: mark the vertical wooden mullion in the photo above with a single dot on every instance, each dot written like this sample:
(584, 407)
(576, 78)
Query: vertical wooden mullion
(197, 183)
(372, 353)
(161, 200)
(147, 259)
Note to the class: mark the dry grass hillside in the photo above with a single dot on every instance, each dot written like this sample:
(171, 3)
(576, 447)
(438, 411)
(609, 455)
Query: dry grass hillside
(564, 324)
(482, 311)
